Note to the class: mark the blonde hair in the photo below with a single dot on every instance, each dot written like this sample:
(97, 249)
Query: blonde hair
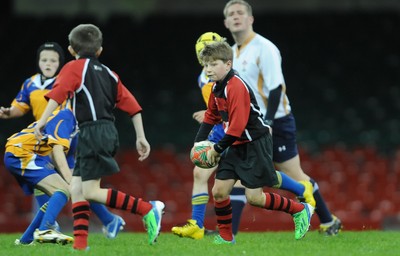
(242, 2)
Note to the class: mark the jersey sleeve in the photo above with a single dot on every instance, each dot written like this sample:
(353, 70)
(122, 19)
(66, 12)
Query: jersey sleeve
(126, 101)
(68, 81)
(71, 152)
(22, 100)
(59, 130)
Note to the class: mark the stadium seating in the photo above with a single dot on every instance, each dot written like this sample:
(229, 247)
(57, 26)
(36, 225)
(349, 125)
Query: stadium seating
(341, 71)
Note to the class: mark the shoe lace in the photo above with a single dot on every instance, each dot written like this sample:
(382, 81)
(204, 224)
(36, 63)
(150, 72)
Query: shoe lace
(298, 223)
(188, 224)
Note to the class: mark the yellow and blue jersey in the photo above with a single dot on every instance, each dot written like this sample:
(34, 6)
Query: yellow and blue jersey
(28, 159)
(31, 95)
(205, 85)
(57, 131)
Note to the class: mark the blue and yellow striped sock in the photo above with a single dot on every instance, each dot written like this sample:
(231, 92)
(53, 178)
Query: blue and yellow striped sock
(199, 204)
(55, 205)
(41, 198)
(289, 184)
(27, 236)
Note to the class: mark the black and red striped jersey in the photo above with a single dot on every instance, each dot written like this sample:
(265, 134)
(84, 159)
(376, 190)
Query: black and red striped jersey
(233, 102)
(95, 91)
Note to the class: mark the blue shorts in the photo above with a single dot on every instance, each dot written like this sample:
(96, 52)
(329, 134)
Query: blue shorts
(217, 133)
(38, 168)
(284, 139)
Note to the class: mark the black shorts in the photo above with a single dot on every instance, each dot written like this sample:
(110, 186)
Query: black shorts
(284, 138)
(97, 145)
(251, 163)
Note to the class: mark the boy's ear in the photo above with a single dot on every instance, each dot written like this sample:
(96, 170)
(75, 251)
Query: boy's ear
(99, 51)
(71, 51)
(229, 64)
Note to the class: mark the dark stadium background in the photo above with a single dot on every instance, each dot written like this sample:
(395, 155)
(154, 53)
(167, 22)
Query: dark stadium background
(341, 61)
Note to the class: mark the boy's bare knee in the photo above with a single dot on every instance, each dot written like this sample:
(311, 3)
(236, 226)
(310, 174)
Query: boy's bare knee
(89, 195)
(254, 200)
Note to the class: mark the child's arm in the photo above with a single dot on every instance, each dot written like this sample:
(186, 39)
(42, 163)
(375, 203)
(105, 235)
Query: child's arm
(60, 161)
(10, 112)
(51, 106)
(199, 116)
(142, 145)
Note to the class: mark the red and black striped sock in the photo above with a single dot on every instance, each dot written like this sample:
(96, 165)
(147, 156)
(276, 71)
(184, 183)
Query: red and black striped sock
(81, 213)
(223, 210)
(279, 203)
(119, 200)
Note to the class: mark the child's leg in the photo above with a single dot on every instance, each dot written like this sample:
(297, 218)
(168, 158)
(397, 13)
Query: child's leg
(277, 202)
(223, 207)
(56, 203)
(119, 200)
(112, 223)
(302, 189)
(301, 212)
(55, 185)
(238, 201)
(47, 230)
(150, 211)
(41, 197)
(104, 215)
(81, 214)
(200, 195)
(322, 210)
(27, 236)
(194, 228)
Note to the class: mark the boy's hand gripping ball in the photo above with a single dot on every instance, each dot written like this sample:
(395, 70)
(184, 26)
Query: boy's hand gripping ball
(198, 154)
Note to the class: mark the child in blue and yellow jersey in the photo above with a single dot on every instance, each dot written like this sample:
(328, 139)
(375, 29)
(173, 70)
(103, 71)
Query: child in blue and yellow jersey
(50, 59)
(27, 159)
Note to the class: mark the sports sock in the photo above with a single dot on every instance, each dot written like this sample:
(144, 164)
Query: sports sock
(81, 214)
(324, 215)
(119, 200)
(27, 236)
(289, 184)
(199, 205)
(41, 198)
(101, 211)
(279, 203)
(238, 201)
(56, 203)
(223, 210)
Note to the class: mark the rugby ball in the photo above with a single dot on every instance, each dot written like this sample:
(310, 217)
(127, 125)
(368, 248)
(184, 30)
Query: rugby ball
(198, 154)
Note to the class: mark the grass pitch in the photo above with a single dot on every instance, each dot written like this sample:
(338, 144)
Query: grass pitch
(250, 244)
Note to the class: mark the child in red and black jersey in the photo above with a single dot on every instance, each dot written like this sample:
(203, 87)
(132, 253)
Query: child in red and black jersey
(245, 152)
(95, 91)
